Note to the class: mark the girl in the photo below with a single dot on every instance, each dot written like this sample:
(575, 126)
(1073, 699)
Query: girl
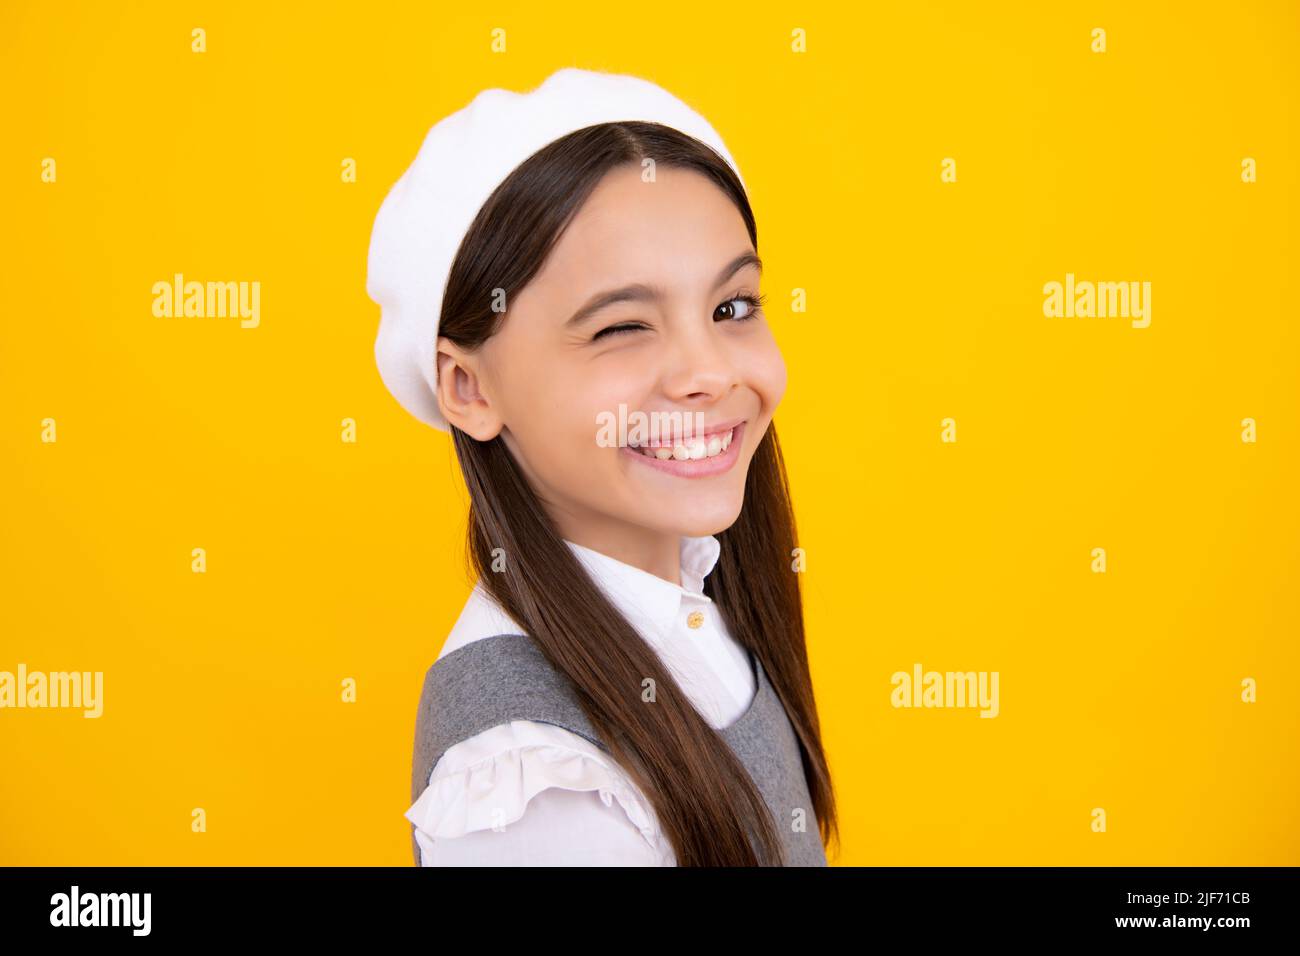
(628, 682)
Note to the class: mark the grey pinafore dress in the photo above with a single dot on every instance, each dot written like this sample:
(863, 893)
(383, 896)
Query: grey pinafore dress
(498, 679)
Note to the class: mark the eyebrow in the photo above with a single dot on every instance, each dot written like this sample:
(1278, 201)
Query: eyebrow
(640, 292)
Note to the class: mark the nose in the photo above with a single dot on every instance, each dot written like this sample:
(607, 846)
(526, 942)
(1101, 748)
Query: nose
(700, 368)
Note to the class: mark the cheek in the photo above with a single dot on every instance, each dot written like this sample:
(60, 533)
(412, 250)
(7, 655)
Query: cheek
(627, 378)
(766, 369)
(557, 419)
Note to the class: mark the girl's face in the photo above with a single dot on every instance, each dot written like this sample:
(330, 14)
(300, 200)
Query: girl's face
(679, 337)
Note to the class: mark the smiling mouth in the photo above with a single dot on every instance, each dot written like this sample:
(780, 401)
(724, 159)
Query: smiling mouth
(700, 457)
(693, 449)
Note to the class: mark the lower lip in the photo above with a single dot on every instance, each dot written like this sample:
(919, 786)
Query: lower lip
(694, 467)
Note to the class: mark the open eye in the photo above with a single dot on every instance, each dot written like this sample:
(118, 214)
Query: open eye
(751, 306)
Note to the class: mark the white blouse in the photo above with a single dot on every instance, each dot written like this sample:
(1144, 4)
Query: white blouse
(526, 793)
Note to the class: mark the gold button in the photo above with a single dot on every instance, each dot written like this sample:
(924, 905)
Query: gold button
(695, 619)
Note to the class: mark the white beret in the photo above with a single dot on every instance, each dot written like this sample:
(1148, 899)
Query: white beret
(464, 157)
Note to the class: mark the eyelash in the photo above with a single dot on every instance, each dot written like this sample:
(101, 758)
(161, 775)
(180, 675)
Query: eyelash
(755, 303)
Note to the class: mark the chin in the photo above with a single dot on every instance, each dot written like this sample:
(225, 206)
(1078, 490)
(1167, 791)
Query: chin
(697, 522)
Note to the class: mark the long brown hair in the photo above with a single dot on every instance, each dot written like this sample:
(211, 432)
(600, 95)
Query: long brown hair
(706, 804)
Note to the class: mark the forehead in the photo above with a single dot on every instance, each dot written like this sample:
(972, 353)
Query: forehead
(676, 231)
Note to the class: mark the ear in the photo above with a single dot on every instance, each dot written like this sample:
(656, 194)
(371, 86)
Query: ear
(461, 398)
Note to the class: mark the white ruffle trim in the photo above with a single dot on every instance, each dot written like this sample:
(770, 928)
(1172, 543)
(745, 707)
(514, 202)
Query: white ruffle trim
(495, 791)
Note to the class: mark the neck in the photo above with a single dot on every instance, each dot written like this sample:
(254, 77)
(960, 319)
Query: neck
(656, 552)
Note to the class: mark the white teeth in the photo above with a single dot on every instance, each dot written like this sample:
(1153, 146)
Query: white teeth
(692, 451)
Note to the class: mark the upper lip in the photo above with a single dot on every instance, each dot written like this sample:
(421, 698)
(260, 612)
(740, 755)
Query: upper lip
(677, 437)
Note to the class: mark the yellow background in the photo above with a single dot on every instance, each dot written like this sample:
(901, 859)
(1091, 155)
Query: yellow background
(329, 560)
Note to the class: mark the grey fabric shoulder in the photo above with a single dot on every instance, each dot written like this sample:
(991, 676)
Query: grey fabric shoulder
(488, 682)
